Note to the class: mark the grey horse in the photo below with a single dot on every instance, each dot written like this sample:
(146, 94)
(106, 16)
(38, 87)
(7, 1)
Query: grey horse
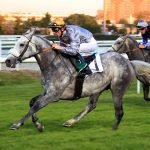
(126, 44)
(58, 77)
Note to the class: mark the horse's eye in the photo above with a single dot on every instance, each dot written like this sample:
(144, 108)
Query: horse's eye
(21, 44)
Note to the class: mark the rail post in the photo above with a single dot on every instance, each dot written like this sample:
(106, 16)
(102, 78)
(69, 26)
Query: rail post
(138, 87)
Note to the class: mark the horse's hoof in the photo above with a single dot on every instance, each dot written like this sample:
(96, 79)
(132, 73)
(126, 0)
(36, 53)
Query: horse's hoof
(115, 127)
(69, 123)
(15, 126)
(39, 127)
(147, 99)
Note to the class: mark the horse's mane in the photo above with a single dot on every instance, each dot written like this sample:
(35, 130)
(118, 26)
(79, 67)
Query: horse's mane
(44, 39)
(130, 37)
(135, 42)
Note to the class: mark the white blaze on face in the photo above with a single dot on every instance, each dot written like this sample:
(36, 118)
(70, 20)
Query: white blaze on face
(13, 52)
(19, 46)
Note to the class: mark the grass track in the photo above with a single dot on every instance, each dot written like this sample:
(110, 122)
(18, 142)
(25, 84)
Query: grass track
(92, 133)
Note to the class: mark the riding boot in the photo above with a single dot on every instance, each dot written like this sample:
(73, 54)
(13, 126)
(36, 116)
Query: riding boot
(85, 69)
(80, 64)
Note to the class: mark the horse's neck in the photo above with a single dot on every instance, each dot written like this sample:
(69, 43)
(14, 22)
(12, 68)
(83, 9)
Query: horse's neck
(137, 55)
(45, 59)
(53, 62)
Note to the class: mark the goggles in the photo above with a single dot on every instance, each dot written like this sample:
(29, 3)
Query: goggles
(140, 28)
(55, 29)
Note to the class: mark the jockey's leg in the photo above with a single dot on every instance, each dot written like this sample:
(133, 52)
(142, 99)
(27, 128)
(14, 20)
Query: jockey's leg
(91, 105)
(146, 92)
(80, 64)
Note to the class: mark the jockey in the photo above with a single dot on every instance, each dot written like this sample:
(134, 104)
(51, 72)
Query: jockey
(144, 28)
(76, 42)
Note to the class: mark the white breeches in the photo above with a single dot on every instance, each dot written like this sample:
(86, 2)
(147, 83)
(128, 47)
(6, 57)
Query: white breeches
(87, 49)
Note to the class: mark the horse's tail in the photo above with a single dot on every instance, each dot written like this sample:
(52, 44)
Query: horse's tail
(142, 71)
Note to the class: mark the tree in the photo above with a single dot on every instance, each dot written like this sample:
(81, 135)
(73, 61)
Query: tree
(1, 24)
(123, 21)
(85, 21)
(112, 28)
(122, 31)
(43, 23)
(108, 22)
(30, 23)
(45, 20)
(18, 27)
(1, 30)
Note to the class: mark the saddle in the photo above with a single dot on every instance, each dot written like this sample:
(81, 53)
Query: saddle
(81, 66)
(81, 74)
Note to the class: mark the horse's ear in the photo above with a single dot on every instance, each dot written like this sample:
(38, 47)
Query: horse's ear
(36, 30)
(28, 31)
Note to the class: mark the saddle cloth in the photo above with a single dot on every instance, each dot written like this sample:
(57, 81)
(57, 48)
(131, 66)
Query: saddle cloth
(96, 64)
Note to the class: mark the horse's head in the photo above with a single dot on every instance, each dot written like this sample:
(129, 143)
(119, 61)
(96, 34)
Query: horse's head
(26, 46)
(124, 44)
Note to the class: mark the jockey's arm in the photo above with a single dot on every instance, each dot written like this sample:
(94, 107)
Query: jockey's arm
(72, 48)
(145, 44)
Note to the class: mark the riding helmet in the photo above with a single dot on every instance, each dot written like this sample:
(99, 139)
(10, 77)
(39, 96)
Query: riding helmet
(142, 24)
(58, 22)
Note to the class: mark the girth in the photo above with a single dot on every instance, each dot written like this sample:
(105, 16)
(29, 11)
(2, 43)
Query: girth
(78, 86)
(80, 78)
(81, 74)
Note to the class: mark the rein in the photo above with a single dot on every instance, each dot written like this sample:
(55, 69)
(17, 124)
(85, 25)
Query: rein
(121, 45)
(25, 49)
(38, 52)
(128, 51)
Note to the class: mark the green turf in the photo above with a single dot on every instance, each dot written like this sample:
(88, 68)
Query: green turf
(93, 132)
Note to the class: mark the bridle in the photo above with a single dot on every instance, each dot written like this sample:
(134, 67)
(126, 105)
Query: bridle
(19, 58)
(26, 47)
(124, 40)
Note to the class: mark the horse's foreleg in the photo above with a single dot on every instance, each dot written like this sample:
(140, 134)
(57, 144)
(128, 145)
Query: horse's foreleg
(91, 105)
(146, 92)
(41, 102)
(35, 119)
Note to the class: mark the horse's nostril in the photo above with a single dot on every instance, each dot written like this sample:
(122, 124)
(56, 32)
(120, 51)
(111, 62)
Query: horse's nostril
(7, 63)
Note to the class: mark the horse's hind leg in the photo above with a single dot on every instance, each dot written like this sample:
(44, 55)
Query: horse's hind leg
(91, 105)
(146, 92)
(117, 97)
(35, 121)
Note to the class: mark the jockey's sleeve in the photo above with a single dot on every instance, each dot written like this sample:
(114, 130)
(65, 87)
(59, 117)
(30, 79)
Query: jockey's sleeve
(145, 42)
(144, 39)
(147, 45)
(72, 48)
